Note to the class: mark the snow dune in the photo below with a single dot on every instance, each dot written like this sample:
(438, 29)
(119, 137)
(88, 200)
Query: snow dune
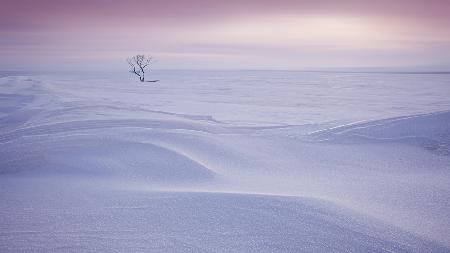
(213, 165)
(432, 131)
(88, 219)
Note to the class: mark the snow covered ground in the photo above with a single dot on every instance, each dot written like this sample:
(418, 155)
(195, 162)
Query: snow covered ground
(225, 161)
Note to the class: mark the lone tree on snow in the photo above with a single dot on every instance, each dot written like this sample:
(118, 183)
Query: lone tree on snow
(139, 64)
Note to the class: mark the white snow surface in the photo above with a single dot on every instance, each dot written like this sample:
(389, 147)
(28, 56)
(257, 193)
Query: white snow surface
(225, 161)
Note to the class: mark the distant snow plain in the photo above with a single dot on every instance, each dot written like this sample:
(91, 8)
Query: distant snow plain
(225, 161)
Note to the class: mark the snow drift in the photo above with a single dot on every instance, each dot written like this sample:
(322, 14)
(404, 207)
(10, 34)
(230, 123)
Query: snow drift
(211, 164)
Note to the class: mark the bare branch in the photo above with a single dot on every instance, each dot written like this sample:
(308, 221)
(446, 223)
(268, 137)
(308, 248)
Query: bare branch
(139, 65)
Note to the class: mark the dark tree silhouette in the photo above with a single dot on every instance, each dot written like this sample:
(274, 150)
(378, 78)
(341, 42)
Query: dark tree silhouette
(139, 65)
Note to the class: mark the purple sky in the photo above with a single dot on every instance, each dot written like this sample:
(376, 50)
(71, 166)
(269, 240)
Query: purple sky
(240, 34)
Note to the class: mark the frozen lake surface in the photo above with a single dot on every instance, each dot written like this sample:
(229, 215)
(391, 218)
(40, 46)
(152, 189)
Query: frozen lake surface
(225, 161)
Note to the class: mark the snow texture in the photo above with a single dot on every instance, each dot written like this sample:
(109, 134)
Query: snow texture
(225, 161)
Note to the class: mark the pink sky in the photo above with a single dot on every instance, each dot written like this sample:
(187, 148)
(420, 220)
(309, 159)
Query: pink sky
(240, 34)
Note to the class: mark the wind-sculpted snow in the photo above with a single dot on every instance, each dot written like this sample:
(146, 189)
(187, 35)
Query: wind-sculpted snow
(204, 163)
(90, 155)
(432, 131)
(88, 219)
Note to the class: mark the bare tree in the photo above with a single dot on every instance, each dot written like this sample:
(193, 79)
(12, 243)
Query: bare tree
(139, 65)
